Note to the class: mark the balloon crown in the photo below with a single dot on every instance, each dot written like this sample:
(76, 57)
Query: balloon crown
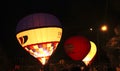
(37, 20)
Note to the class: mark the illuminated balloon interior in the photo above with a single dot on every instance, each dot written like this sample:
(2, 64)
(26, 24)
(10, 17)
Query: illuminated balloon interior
(40, 42)
(91, 53)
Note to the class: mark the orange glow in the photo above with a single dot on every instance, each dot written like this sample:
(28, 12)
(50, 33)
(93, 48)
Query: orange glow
(91, 53)
(104, 28)
(40, 42)
(42, 53)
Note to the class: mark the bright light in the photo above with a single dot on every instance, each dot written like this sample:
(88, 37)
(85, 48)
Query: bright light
(104, 28)
(91, 29)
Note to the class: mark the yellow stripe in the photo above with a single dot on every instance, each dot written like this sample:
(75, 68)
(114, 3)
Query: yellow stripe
(41, 35)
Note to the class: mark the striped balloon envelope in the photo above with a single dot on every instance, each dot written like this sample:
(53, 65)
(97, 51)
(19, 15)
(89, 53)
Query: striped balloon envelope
(39, 34)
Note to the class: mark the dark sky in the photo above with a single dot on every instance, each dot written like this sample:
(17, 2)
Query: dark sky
(76, 18)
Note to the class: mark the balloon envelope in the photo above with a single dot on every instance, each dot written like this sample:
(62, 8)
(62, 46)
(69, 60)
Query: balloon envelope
(37, 20)
(77, 47)
(39, 34)
(88, 58)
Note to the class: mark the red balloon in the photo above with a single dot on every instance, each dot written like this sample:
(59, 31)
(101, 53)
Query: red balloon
(77, 47)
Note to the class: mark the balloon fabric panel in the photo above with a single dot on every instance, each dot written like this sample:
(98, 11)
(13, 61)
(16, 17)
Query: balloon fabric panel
(37, 21)
(77, 47)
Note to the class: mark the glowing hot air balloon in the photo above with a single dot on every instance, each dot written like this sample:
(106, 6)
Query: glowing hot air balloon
(77, 47)
(87, 60)
(39, 34)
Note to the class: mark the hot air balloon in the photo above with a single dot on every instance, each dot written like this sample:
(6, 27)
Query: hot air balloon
(77, 47)
(39, 34)
(89, 57)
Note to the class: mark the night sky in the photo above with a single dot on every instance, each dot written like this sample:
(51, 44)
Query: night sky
(76, 18)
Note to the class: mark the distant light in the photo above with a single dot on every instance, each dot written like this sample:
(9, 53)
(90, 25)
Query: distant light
(91, 29)
(104, 28)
